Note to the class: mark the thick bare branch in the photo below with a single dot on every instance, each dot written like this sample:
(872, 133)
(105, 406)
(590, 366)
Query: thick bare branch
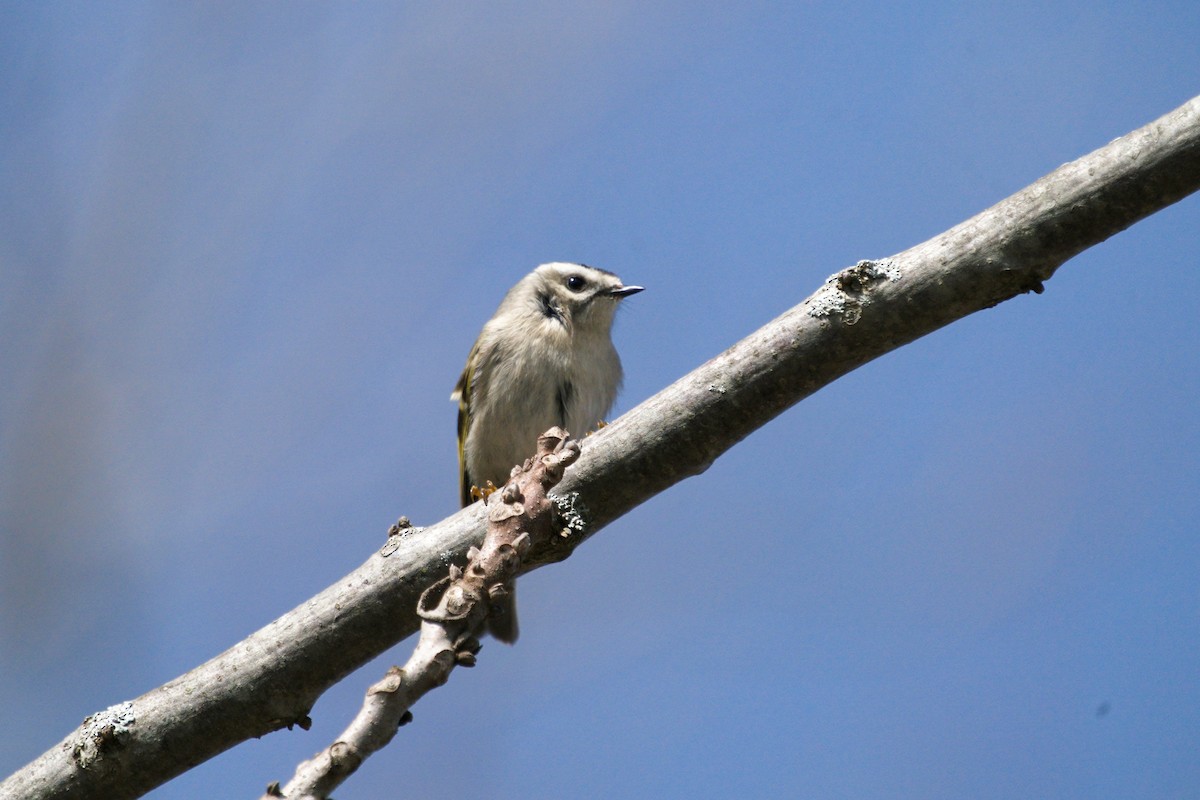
(873, 308)
(271, 679)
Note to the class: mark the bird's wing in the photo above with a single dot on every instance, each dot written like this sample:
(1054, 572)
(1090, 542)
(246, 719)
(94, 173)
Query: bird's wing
(462, 393)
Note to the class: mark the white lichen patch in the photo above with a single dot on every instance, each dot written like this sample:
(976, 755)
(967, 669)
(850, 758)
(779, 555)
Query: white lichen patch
(103, 731)
(571, 511)
(884, 268)
(844, 294)
(827, 301)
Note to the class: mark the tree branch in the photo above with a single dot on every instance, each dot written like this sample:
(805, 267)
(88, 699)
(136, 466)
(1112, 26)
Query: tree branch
(271, 679)
(453, 612)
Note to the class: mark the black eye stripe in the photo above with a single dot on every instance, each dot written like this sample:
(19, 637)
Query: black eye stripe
(550, 307)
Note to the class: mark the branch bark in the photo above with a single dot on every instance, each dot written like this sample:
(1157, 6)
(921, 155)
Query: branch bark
(453, 612)
(271, 679)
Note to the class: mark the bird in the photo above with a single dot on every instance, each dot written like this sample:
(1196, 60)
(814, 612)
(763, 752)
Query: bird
(545, 358)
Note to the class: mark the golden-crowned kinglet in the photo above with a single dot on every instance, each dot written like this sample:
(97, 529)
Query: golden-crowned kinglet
(545, 358)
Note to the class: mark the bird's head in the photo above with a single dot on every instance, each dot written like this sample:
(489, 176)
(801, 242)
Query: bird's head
(582, 298)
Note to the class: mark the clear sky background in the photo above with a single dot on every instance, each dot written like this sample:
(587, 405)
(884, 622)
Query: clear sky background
(244, 249)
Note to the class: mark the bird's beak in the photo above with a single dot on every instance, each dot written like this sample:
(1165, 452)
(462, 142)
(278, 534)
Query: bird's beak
(625, 291)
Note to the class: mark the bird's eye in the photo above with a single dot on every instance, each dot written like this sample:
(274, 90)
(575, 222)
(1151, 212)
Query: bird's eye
(576, 283)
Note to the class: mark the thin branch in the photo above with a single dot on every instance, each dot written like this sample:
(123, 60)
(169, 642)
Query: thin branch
(453, 613)
(271, 679)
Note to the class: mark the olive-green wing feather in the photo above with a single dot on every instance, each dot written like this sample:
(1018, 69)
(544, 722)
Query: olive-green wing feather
(462, 393)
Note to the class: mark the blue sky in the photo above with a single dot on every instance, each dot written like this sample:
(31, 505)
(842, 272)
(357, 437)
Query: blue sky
(244, 249)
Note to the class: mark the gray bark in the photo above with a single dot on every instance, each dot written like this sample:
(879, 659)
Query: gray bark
(271, 679)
